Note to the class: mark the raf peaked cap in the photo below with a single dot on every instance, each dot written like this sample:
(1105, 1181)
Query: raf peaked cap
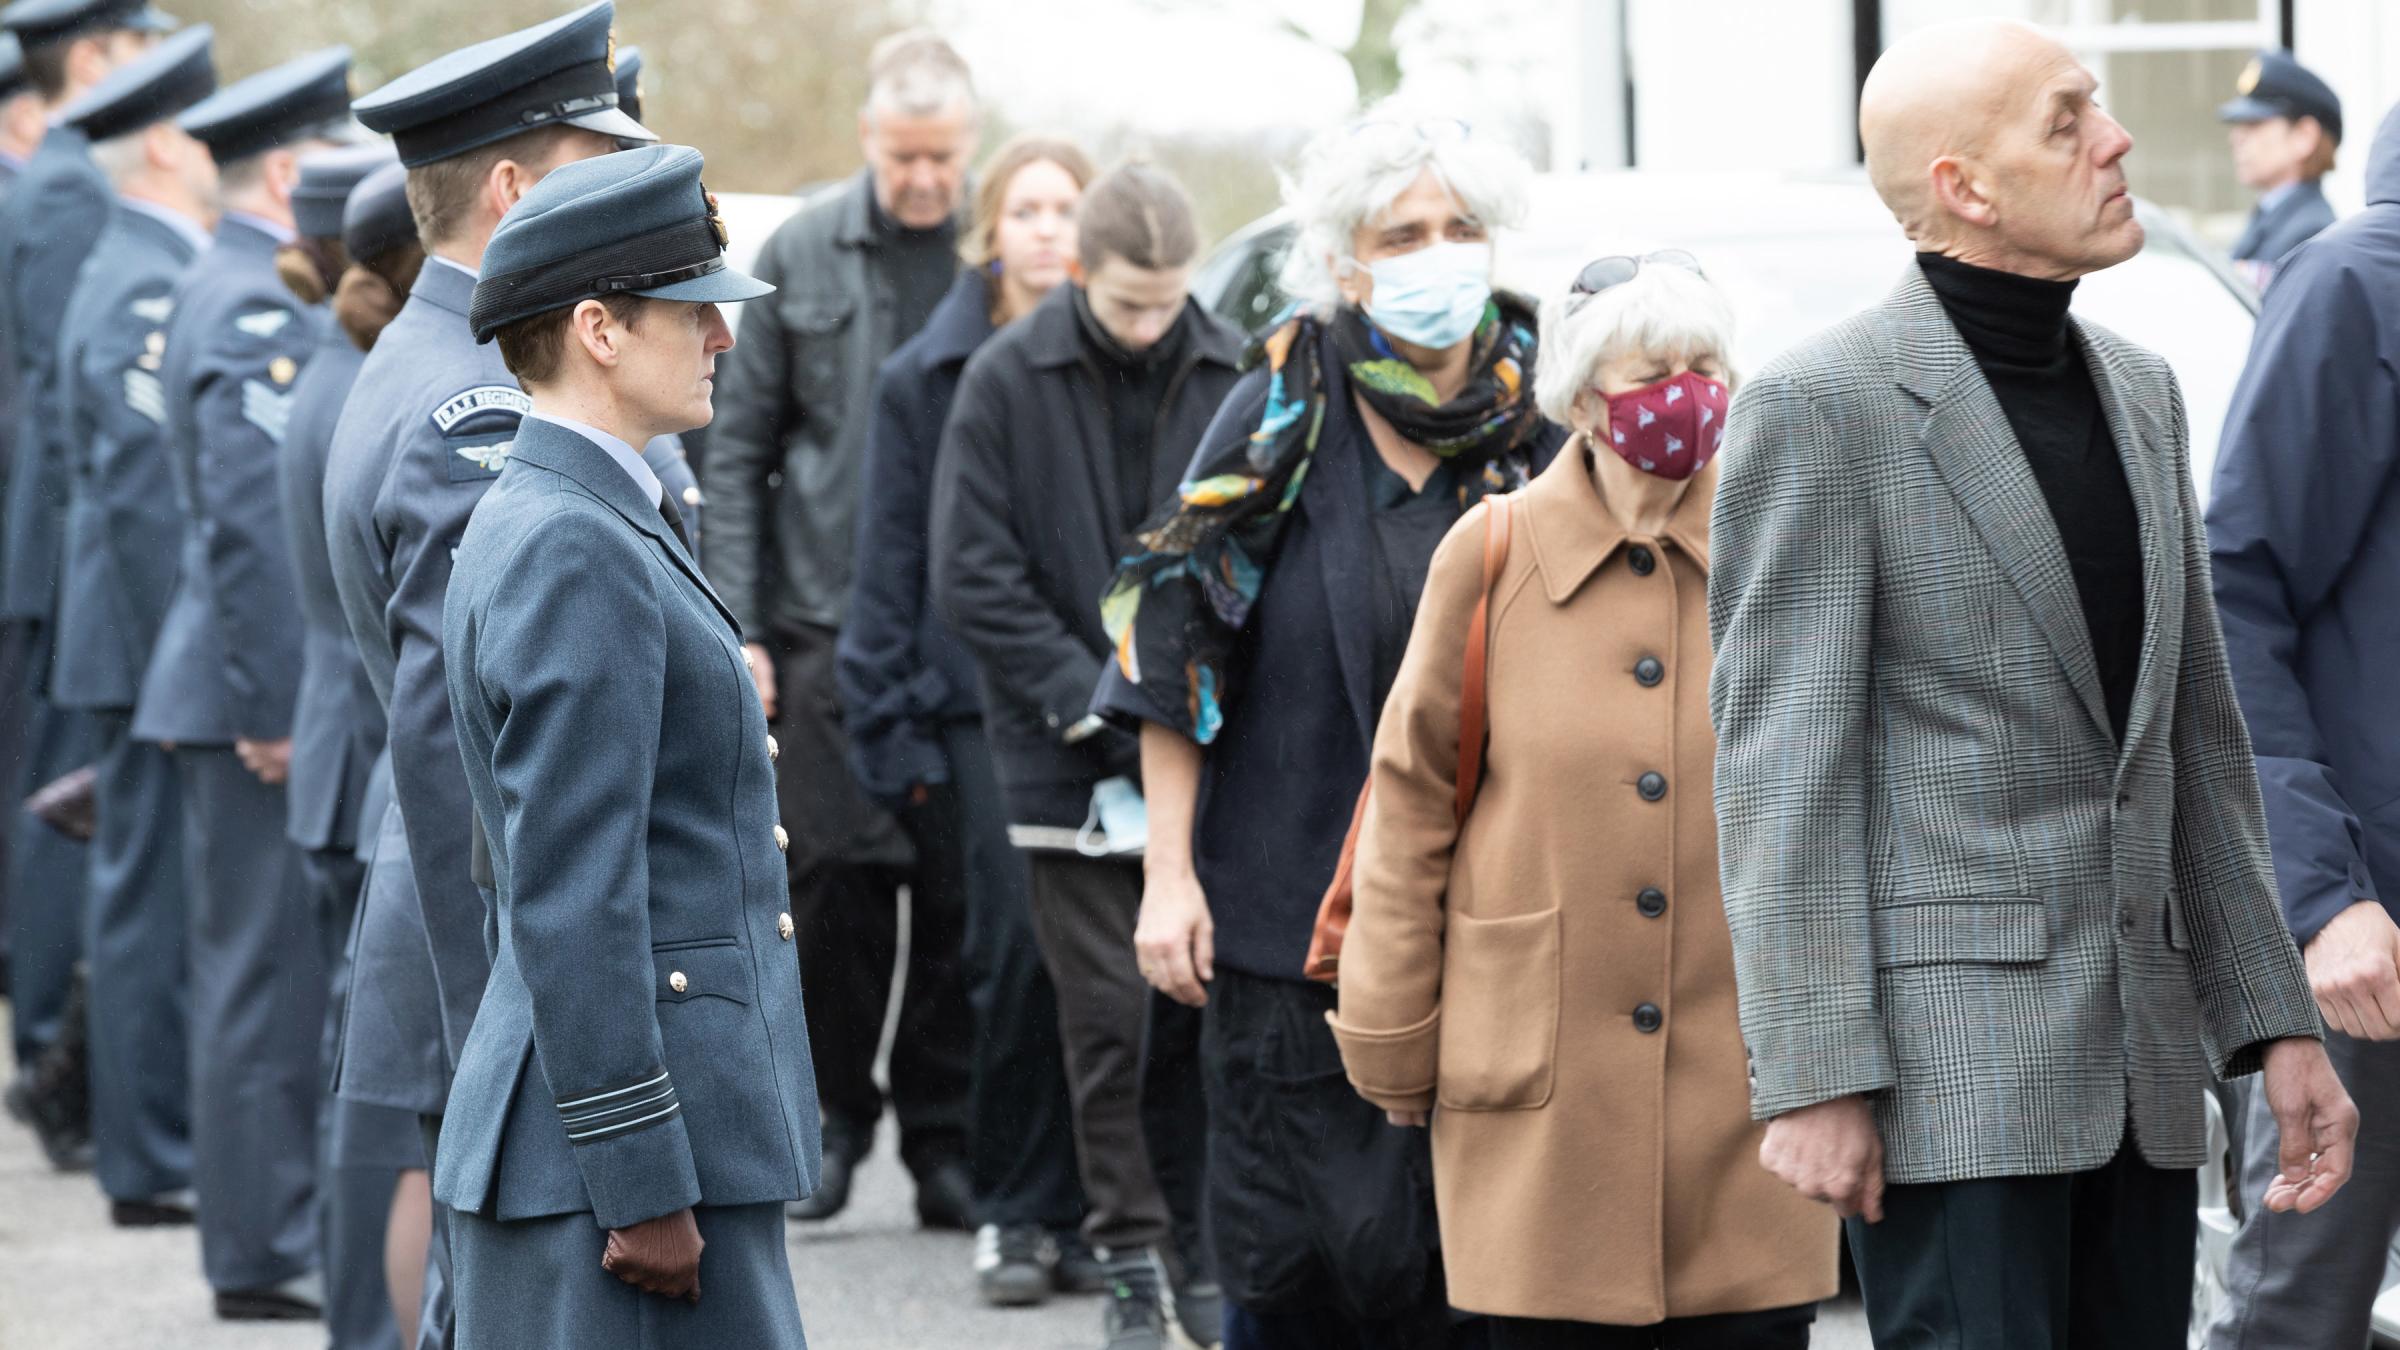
(376, 217)
(637, 222)
(327, 178)
(560, 71)
(629, 82)
(38, 21)
(305, 97)
(12, 66)
(2275, 85)
(153, 88)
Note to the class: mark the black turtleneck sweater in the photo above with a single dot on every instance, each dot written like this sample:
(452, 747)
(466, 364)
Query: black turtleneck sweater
(918, 266)
(2017, 328)
(1136, 385)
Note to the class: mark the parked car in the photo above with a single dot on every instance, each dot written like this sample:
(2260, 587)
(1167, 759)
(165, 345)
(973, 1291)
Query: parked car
(1798, 252)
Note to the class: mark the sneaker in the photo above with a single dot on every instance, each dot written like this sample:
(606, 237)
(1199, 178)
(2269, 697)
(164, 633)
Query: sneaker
(1013, 1264)
(1199, 1312)
(1079, 1269)
(1133, 1315)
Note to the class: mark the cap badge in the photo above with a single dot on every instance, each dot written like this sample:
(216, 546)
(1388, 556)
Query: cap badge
(612, 51)
(716, 221)
(2249, 79)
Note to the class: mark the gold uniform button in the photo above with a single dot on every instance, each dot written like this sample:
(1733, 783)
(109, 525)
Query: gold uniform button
(774, 750)
(691, 496)
(783, 926)
(677, 982)
(783, 842)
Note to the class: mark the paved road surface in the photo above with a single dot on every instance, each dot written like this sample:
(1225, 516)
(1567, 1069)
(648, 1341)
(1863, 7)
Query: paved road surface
(868, 1280)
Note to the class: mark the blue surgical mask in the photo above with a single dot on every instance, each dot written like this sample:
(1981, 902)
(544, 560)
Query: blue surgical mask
(1433, 297)
(1118, 823)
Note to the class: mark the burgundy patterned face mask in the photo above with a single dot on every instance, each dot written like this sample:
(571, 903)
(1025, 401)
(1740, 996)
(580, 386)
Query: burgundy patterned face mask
(1672, 428)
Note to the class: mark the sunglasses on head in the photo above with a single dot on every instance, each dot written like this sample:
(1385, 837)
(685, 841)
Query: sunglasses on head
(1601, 273)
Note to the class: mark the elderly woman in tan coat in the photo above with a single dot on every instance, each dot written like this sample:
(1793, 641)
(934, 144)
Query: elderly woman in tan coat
(1553, 982)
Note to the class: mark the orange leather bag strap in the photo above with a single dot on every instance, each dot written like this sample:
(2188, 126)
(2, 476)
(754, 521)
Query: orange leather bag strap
(1471, 698)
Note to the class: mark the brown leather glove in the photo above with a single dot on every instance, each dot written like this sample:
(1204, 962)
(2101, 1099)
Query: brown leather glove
(658, 1256)
(67, 804)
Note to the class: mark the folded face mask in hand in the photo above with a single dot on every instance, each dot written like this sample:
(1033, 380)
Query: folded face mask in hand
(1118, 823)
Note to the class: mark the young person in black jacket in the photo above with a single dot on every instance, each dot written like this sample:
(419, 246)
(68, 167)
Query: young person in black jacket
(1068, 430)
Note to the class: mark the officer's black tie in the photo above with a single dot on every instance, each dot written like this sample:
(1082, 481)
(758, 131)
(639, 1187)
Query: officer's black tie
(674, 518)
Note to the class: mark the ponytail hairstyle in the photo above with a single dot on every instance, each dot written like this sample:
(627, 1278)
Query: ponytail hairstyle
(370, 293)
(310, 267)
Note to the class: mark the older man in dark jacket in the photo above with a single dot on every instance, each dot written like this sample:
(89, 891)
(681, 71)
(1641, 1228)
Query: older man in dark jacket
(859, 271)
(2304, 533)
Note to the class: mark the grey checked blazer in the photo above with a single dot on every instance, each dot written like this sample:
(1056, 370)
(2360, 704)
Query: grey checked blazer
(1948, 887)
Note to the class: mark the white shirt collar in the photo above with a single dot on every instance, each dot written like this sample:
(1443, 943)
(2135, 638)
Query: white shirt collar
(190, 229)
(472, 274)
(273, 229)
(627, 458)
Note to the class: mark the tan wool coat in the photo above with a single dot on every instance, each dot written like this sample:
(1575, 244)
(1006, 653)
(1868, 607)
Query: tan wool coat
(1555, 980)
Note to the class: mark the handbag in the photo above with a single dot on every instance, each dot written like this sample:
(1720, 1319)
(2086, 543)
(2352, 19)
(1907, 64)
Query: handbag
(1333, 912)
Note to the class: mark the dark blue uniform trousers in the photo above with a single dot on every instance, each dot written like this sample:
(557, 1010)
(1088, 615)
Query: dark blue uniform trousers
(258, 1007)
(135, 936)
(535, 1283)
(45, 869)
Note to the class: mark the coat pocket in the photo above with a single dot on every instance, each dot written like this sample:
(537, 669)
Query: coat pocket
(1499, 1037)
(718, 969)
(1991, 929)
(818, 336)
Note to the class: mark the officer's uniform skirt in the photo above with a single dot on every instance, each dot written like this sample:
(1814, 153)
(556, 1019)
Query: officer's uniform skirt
(532, 1283)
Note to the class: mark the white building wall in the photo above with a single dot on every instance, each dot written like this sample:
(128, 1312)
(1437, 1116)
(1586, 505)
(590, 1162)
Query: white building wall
(1743, 84)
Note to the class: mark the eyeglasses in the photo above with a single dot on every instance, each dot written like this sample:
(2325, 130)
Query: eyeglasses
(1601, 273)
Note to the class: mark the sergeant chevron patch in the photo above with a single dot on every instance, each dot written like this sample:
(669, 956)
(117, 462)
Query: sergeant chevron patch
(267, 408)
(145, 395)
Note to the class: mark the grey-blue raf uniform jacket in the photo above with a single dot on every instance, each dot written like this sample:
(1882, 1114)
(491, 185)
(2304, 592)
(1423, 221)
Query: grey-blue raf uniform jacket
(48, 223)
(641, 1046)
(337, 724)
(421, 437)
(123, 530)
(228, 659)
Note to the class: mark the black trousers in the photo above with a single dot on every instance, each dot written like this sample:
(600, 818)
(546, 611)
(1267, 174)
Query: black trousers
(1021, 1121)
(1133, 1062)
(2098, 1260)
(849, 860)
(1777, 1329)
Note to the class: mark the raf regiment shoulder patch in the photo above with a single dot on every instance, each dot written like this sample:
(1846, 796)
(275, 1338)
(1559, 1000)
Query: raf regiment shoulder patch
(264, 324)
(478, 427)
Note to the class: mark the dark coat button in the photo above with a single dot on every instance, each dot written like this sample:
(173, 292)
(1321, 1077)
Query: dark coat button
(1652, 786)
(1652, 902)
(1647, 1018)
(1642, 560)
(1648, 671)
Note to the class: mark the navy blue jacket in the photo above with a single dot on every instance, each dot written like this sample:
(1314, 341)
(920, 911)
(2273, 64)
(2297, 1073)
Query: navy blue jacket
(48, 223)
(421, 437)
(227, 664)
(2293, 221)
(123, 532)
(337, 723)
(641, 1045)
(1279, 783)
(2304, 533)
(901, 673)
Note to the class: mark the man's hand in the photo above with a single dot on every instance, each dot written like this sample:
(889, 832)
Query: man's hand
(2354, 969)
(2315, 1125)
(269, 761)
(762, 674)
(1830, 1152)
(658, 1256)
(1175, 942)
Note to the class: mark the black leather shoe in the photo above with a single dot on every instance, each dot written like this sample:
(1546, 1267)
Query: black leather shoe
(156, 1212)
(946, 1199)
(265, 1305)
(831, 1196)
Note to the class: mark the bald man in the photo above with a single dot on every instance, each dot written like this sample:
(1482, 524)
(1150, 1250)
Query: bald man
(1994, 860)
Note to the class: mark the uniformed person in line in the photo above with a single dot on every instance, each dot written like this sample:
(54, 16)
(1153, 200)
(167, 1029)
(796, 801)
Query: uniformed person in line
(68, 47)
(337, 733)
(422, 435)
(20, 132)
(636, 1102)
(2286, 125)
(122, 537)
(667, 456)
(220, 691)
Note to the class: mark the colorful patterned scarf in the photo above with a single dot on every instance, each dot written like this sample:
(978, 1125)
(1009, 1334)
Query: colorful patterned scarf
(1176, 605)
